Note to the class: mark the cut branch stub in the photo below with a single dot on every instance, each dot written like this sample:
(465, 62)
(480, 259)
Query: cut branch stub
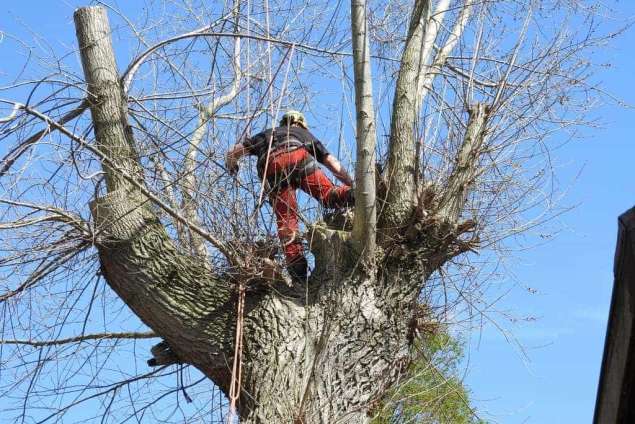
(107, 104)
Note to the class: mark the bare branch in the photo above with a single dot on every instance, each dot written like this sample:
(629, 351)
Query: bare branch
(512, 60)
(46, 267)
(128, 75)
(101, 336)
(435, 23)
(57, 215)
(21, 148)
(134, 182)
(428, 72)
(11, 116)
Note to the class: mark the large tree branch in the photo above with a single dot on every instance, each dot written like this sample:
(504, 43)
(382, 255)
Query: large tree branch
(435, 23)
(108, 106)
(466, 166)
(177, 296)
(365, 222)
(400, 171)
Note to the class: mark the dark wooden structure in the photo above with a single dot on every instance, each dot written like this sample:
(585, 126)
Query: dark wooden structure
(615, 401)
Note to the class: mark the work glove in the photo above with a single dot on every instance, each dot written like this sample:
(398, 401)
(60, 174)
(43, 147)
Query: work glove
(233, 170)
(231, 165)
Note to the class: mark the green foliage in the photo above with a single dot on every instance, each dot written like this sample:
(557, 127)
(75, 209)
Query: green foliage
(431, 392)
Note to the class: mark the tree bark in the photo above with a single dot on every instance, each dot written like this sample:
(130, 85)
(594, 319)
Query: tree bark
(173, 294)
(365, 222)
(113, 135)
(400, 172)
(329, 357)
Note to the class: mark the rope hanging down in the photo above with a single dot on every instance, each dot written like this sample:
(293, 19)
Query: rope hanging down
(234, 389)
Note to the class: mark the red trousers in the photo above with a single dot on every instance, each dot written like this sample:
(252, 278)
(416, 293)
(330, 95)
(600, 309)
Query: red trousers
(286, 169)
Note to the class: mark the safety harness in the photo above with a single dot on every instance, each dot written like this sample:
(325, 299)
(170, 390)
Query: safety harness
(291, 175)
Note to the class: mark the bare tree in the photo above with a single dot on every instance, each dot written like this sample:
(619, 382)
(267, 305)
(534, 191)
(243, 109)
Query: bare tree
(123, 228)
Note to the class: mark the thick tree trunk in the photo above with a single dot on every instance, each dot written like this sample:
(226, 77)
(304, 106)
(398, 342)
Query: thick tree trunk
(318, 355)
(328, 357)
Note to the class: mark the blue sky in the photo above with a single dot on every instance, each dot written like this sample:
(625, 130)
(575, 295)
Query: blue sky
(573, 273)
(555, 379)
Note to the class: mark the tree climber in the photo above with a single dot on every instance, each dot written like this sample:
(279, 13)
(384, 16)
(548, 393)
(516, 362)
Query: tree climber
(287, 161)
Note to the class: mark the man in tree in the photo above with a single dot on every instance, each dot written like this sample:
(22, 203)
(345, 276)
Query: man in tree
(465, 120)
(287, 161)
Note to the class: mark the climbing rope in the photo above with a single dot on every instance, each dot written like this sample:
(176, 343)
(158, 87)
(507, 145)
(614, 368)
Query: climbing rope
(234, 388)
